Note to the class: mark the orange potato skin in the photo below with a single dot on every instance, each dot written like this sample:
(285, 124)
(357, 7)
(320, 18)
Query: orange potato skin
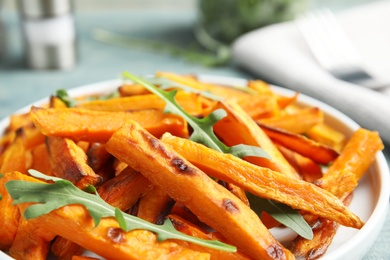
(217, 208)
(98, 126)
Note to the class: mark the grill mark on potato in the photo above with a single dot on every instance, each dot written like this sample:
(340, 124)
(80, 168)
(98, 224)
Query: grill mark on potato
(230, 206)
(116, 235)
(175, 161)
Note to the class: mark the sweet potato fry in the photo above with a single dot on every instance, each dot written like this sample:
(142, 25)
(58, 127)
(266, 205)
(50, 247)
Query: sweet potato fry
(127, 90)
(41, 160)
(352, 163)
(307, 168)
(243, 130)
(217, 207)
(189, 101)
(5, 141)
(189, 228)
(69, 162)
(17, 121)
(264, 182)
(14, 157)
(154, 206)
(9, 214)
(55, 102)
(325, 134)
(307, 118)
(65, 249)
(98, 126)
(317, 152)
(107, 239)
(359, 153)
(257, 106)
(31, 241)
(125, 189)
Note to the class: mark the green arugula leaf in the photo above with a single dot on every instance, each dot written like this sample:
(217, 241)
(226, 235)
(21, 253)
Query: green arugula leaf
(282, 213)
(64, 96)
(202, 128)
(49, 197)
(164, 83)
(203, 133)
(71, 102)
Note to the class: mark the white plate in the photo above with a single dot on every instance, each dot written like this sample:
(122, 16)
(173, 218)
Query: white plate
(370, 201)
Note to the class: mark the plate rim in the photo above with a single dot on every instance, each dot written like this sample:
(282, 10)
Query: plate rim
(377, 216)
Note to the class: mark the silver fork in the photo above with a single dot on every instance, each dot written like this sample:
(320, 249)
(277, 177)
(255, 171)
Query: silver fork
(333, 50)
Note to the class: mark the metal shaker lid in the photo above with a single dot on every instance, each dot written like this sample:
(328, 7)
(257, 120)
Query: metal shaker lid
(44, 8)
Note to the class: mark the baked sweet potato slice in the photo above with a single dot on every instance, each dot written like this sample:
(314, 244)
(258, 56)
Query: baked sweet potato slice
(211, 202)
(190, 229)
(244, 130)
(327, 135)
(14, 157)
(307, 168)
(64, 249)
(124, 190)
(9, 214)
(31, 241)
(108, 239)
(189, 101)
(297, 123)
(264, 182)
(353, 162)
(41, 160)
(98, 126)
(299, 143)
(69, 162)
(154, 206)
(359, 153)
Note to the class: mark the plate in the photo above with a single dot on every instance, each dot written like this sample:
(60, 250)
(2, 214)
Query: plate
(370, 201)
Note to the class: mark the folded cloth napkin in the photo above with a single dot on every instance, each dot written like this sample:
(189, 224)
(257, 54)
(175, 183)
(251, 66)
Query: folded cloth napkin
(279, 55)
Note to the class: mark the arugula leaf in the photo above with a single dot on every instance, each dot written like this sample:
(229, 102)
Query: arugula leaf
(71, 102)
(203, 133)
(64, 96)
(202, 128)
(165, 84)
(282, 213)
(49, 197)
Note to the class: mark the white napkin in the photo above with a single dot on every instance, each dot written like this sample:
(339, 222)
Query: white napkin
(279, 55)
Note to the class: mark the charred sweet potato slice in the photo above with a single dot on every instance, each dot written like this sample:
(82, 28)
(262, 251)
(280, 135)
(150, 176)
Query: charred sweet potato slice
(264, 182)
(98, 126)
(316, 151)
(185, 183)
(69, 162)
(353, 162)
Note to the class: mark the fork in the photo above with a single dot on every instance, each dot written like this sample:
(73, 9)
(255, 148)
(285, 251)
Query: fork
(333, 50)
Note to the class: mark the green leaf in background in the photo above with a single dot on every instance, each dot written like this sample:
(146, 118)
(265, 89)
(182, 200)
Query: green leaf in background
(165, 84)
(282, 213)
(49, 197)
(68, 100)
(209, 58)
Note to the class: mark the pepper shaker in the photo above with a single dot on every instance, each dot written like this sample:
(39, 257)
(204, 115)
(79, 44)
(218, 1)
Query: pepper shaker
(49, 33)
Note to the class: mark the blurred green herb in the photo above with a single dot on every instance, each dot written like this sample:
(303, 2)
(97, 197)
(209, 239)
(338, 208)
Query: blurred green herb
(204, 57)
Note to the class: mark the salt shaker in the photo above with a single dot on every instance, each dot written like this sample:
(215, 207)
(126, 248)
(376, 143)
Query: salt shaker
(49, 33)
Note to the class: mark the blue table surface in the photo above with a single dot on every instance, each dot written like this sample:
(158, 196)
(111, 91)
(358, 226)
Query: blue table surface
(20, 86)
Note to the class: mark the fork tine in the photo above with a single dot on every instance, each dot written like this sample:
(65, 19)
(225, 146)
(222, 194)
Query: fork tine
(328, 42)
